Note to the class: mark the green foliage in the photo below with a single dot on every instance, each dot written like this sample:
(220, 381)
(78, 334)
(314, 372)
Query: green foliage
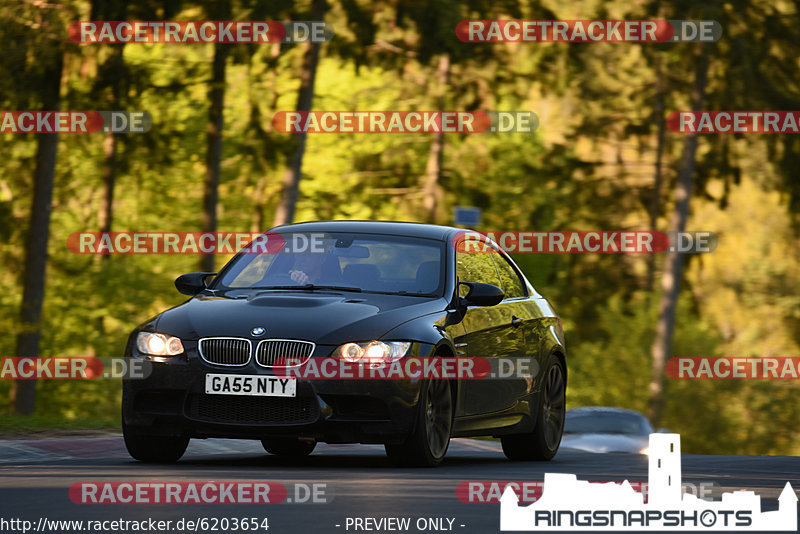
(11, 425)
(590, 166)
(614, 369)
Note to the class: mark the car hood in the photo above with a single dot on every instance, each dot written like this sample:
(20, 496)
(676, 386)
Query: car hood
(325, 317)
(605, 442)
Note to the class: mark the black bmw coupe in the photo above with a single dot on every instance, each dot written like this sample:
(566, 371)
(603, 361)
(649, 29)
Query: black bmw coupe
(369, 294)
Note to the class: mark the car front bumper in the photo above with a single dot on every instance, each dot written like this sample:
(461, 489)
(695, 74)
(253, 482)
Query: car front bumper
(172, 401)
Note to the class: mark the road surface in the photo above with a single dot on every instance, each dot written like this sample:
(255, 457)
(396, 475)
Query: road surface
(352, 481)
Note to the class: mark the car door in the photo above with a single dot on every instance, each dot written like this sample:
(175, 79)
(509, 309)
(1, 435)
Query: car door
(524, 340)
(489, 333)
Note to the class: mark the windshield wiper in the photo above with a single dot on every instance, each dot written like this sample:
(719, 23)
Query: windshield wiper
(402, 293)
(311, 287)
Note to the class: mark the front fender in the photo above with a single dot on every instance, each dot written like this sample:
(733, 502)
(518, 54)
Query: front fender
(428, 330)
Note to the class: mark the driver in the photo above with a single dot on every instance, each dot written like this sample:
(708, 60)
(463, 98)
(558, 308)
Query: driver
(307, 268)
(310, 263)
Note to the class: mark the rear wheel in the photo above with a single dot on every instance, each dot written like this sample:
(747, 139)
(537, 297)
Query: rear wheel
(543, 442)
(428, 443)
(154, 449)
(290, 447)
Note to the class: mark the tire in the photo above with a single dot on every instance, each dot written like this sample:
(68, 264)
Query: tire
(290, 448)
(427, 444)
(543, 442)
(154, 449)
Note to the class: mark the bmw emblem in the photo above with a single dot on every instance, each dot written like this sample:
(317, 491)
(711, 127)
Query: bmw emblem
(258, 331)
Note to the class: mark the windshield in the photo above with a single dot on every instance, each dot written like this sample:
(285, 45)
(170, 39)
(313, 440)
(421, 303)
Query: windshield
(338, 261)
(599, 423)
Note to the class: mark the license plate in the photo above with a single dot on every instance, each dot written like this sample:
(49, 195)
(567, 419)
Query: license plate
(267, 386)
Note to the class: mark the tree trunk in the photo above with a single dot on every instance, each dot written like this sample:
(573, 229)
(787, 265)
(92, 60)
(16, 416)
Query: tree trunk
(655, 199)
(111, 10)
(291, 179)
(258, 223)
(670, 282)
(24, 391)
(433, 169)
(216, 97)
(109, 175)
(109, 171)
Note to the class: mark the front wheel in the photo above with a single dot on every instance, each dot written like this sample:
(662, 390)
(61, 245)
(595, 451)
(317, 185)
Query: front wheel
(428, 443)
(543, 442)
(154, 449)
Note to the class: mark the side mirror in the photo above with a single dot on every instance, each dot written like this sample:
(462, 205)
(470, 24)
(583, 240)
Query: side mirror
(483, 294)
(192, 283)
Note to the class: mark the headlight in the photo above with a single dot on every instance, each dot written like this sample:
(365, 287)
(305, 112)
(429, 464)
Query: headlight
(373, 352)
(646, 450)
(158, 344)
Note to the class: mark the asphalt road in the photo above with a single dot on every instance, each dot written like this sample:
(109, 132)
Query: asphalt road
(358, 482)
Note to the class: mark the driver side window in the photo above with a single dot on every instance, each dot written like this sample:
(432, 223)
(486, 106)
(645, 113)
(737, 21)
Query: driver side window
(512, 284)
(476, 267)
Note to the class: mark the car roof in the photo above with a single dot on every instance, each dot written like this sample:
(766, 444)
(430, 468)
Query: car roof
(400, 228)
(606, 410)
